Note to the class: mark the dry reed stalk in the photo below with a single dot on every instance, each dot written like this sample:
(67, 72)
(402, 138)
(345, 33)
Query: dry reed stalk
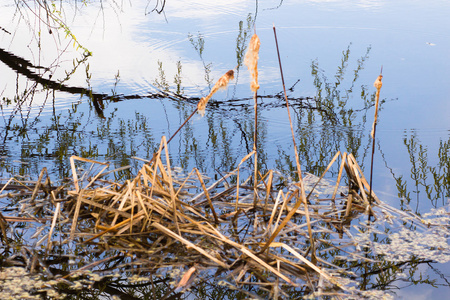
(77, 187)
(220, 84)
(238, 180)
(216, 219)
(274, 211)
(74, 173)
(105, 207)
(268, 189)
(189, 244)
(377, 84)
(3, 227)
(349, 205)
(299, 171)
(303, 259)
(249, 253)
(285, 220)
(324, 172)
(113, 228)
(130, 224)
(251, 61)
(185, 279)
(282, 208)
(172, 190)
(38, 184)
(122, 199)
(52, 227)
(338, 181)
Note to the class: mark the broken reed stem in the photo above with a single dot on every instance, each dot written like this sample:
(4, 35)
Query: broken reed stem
(378, 84)
(201, 105)
(216, 219)
(251, 61)
(173, 135)
(299, 171)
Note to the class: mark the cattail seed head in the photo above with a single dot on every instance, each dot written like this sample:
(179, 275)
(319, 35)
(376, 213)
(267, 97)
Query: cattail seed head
(251, 61)
(220, 84)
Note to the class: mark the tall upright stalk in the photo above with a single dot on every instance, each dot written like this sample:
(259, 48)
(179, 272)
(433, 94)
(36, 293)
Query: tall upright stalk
(299, 170)
(201, 105)
(377, 84)
(251, 61)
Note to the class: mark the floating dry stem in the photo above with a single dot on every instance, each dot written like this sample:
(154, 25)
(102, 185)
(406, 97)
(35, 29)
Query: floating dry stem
(221, 83)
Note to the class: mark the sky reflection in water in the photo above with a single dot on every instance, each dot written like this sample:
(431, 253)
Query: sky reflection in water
(409, 39)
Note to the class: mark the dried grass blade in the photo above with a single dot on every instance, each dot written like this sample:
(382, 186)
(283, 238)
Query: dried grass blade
(216, 219)
(189, 244)
(285, 221)
(113, 228)
(303, 259)
(338, 181)
(74, 173)
(185, 279)
(324, 172)
(268, 189)
(249, 253)
(50, 233)
(38, 184)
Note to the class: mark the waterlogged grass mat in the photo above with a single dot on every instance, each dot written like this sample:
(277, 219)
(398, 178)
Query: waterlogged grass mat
(172, 234)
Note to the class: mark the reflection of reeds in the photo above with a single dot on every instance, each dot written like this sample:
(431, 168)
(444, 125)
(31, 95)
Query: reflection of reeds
(221, 83)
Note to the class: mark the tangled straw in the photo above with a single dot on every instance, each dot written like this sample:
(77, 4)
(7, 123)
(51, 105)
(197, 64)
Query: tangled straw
(251, 61)
(221, 83)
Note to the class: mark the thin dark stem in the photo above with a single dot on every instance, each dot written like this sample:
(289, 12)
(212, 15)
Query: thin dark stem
(378, 85)
(173, 135)
(255, 147)
(299, 171)
(182, 125)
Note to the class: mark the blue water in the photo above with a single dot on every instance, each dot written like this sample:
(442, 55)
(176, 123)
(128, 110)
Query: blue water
(409, 40)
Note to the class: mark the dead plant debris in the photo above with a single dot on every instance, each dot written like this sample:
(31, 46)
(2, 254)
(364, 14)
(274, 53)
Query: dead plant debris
(164, 219)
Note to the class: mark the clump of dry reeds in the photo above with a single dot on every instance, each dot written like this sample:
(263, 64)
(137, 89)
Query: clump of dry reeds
(161, 215)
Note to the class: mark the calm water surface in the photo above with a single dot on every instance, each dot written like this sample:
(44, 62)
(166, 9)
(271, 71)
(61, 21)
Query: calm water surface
(331, 51)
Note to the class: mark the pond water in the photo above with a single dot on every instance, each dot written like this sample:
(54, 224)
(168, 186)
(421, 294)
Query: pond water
(151, 61)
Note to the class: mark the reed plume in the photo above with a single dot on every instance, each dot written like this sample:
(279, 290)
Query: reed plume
(251, 61)
(220, 84)
(377, 84)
